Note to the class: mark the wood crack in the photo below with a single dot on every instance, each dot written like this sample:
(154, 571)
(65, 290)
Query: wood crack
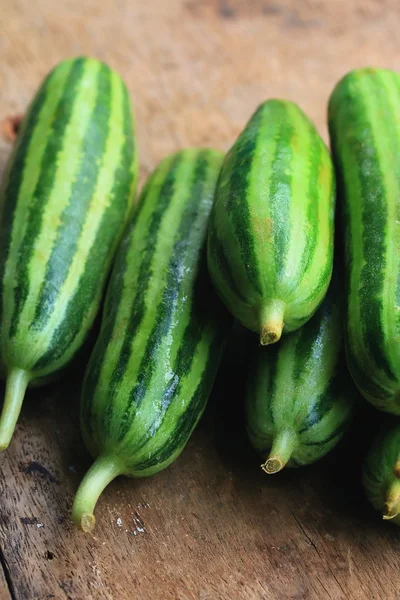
(312, 543)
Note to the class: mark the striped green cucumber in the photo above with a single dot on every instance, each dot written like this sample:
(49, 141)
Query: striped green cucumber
(300, 397)
(364, 127)
(65, 199)
(162, 334)
(270, 245)
(381, 473)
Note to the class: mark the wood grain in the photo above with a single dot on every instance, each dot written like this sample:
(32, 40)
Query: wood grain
(212, 526)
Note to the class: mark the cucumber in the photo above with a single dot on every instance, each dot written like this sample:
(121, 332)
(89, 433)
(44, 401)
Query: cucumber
(381, 473)
(65, 199)
(270, 244)
(162, 334)
(365, 133)
(300, 397)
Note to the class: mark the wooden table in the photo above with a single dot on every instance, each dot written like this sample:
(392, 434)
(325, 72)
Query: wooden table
(212, 526)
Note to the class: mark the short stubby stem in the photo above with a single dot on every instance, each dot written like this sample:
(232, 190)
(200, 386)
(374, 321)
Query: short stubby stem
(281, 451)
(100, 474)
(16, 384)
(271, 322)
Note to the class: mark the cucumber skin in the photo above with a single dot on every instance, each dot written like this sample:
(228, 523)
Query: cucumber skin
(365, 137)
(300, 396)
(65, 199)
(62, 213)
(271, 229)
(163, 328)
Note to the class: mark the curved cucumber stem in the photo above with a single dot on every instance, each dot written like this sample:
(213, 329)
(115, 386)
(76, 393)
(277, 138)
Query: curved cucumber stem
(17, 382)
(271, 322)
(392, 504)
(281, 451)
(100, 474)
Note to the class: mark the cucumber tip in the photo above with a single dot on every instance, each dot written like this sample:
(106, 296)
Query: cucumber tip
(88, 522)
(387, 516)
(271, 321)
(390, 512)
(272, 465)
(270, 336)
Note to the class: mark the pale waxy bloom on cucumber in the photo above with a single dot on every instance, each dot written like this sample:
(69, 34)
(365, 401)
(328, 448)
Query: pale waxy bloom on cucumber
(270, 244)
(66, 196)
(162, 334)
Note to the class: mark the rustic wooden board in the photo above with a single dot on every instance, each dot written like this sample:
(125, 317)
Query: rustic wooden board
(212, 526)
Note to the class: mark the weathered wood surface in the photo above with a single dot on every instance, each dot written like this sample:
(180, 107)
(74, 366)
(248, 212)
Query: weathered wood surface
(212, 526)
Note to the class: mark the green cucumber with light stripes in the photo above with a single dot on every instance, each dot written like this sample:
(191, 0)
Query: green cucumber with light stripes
(270, 245)
(300, 396)
(364, 127)
(66, 196)
(162, 333)
(381, 473)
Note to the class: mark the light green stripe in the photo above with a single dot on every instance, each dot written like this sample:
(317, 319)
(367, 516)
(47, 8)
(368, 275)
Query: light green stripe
(158, 268)
(302, 140)
(284, 393)
(324, 231)
(100, 202)
(68, 165)
(176, 409)
(166, 237)
(133, 259)
(391, 93)
(322, 359)
(31, 173)
(259, 200)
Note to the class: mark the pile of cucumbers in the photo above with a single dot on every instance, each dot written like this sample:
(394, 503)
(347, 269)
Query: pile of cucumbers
(213, 238)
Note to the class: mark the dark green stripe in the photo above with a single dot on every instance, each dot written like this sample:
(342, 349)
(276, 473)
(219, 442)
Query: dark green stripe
(14, 179)
(371, 475)
(364, 383)
(344, 235)
(323, 404)
(374, 216)
(184, 359)
(191, 228)
(75, 213)
(188, 420)
(225, 272)
(91, 282)
(241, 157)
(323, 281)
(340, 429)
(394, 141)
(44, 188)
(109, 321)
(305, 346)
(145, 274)
(280, 196)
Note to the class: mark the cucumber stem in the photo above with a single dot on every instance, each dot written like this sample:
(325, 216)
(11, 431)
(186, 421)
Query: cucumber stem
(392, 504)
(100, 474)
(281, 451)
(271, 325)
(16, 384)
